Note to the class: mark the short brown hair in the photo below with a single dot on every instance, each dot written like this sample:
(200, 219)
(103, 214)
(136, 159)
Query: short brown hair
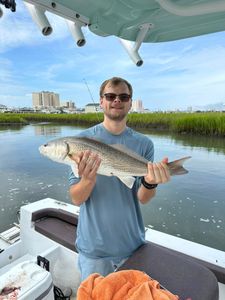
(115, 81)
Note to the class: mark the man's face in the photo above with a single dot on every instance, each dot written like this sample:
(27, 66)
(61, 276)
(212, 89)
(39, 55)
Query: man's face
(116, 109)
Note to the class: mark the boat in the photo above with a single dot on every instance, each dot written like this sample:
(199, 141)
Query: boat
(42, 263)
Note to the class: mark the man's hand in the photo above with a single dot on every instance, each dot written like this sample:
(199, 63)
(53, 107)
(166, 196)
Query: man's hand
(88, 164)
(158, 172)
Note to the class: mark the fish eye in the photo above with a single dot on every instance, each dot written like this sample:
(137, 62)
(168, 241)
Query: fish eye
(45, 145)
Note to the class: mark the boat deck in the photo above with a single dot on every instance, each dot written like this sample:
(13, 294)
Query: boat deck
(171, 268)
(52, 231)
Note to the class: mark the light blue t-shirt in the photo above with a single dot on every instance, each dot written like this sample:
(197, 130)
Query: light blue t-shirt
(110, 223)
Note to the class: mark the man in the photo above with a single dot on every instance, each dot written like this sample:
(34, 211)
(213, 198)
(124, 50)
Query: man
(110, 225)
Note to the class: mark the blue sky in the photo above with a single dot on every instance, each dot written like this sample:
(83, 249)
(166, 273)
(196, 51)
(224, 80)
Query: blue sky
(175, 75)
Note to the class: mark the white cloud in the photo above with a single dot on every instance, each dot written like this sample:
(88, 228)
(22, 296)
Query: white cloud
(17, 29)
(195, 76)
(174, 74)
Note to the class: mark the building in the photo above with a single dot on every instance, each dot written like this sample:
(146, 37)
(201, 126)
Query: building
(137, 106)
(45, 100)
(68, 104)
(3, 108)
(92, 108)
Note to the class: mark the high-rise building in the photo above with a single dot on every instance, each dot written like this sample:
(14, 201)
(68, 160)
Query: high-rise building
(36, 100)
(68, 104)
(45, 99)
(137, 106)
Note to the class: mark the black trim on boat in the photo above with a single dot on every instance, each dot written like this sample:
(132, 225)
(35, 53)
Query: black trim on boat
(45, 293)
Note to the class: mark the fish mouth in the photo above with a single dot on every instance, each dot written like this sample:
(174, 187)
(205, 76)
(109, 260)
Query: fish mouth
(42, 149)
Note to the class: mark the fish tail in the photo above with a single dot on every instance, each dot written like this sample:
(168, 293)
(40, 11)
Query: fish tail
(176, 166)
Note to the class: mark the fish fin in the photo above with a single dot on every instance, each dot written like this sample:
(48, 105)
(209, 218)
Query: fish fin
(75, 169)
(180, 161)
(133, 154)
(128, 181)
(176, 166)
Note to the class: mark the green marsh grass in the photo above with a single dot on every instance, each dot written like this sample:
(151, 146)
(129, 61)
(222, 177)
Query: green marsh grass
(12, 119)
(204, 123)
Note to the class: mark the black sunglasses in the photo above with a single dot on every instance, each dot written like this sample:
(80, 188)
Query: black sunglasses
(122, 97)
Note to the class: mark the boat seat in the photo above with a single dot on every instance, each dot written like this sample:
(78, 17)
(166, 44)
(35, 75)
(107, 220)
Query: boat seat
(58, 225)
(180, 274)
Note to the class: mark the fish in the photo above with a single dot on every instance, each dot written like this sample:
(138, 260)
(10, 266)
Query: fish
(116, 160)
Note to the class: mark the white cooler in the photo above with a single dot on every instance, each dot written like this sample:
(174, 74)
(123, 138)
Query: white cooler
(32, 282)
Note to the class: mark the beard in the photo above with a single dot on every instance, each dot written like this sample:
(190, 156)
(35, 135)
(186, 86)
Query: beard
(119, 116)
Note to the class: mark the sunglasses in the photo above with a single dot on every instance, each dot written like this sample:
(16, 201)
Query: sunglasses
(122, 97)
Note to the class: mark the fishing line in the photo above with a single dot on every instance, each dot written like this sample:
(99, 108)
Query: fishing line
(95, 104)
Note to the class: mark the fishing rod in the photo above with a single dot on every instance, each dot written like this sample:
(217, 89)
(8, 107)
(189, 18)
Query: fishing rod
(90, 93)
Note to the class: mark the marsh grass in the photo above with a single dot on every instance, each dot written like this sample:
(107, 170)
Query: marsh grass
(212, 124)
(12, 119)
(205, 123)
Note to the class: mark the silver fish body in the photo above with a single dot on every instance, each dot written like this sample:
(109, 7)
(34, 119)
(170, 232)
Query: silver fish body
(116, 160)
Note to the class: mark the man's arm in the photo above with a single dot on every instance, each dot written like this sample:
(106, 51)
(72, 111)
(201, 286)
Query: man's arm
(88, 165)
(157, 173)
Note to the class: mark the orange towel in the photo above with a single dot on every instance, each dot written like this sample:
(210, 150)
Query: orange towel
(122, 285)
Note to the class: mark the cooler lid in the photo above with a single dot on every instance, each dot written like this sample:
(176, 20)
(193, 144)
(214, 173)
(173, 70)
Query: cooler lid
(23, 278)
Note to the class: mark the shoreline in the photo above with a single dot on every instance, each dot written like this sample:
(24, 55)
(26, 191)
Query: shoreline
(203, 123)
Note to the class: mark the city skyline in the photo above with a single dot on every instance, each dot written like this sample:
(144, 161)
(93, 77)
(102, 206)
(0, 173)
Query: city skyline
(49, 99)
(175, 75)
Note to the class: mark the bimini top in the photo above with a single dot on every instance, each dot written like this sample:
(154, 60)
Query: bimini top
(133, 20)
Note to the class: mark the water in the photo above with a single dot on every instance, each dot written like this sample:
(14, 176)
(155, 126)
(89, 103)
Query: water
(190, 206)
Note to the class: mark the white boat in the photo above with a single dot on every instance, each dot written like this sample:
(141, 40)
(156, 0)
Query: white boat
(47, 227)
(47, 235)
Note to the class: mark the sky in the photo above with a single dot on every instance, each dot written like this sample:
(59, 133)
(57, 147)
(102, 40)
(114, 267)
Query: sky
(175, 75)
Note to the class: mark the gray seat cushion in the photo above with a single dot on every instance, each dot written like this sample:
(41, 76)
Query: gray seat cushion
(176, 272)
(58, 225)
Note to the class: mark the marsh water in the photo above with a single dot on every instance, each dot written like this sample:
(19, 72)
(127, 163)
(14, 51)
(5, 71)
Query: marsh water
(191, 206)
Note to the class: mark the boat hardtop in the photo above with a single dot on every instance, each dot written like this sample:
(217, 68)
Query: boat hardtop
(132, 21)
